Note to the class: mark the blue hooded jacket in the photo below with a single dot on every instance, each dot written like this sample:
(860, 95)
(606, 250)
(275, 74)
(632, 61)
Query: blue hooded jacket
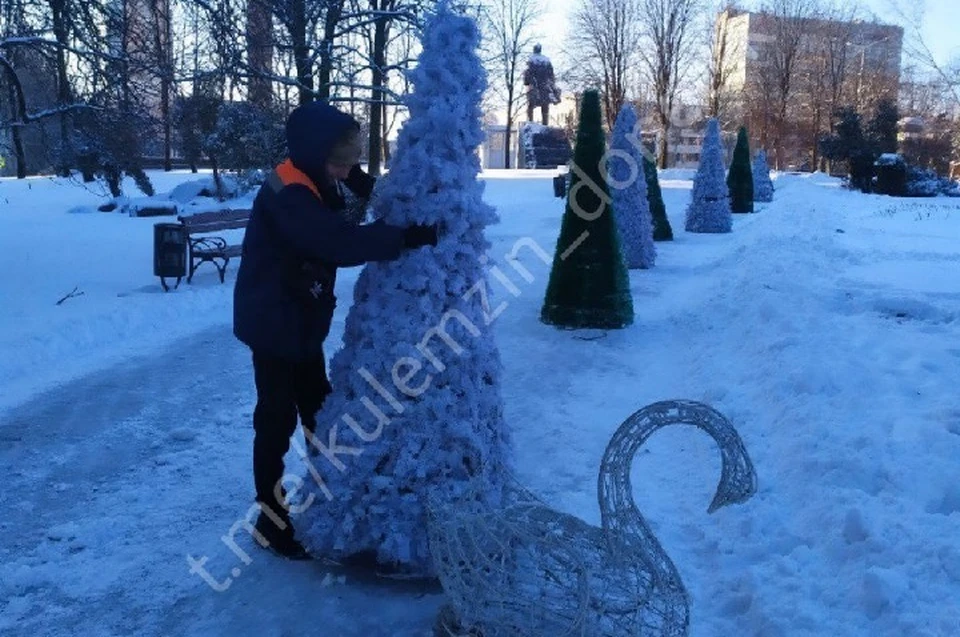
(294, 240)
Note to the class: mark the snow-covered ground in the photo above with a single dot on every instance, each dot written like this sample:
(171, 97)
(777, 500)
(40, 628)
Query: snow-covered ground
(825, 327)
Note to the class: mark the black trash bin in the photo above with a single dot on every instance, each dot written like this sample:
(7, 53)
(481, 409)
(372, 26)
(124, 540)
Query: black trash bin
(560, 186)
(169, 252)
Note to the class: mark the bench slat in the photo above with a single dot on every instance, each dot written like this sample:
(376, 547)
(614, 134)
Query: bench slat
(213, 227)
(229, 251)
(218, 214)
(216, 220)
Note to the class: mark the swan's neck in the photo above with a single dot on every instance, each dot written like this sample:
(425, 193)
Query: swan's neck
(626, 529)
(621, 518)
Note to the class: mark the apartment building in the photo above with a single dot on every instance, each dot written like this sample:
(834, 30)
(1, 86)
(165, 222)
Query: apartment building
(831, 63)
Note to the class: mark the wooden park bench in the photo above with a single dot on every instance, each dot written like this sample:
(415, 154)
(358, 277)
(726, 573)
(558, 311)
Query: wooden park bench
(216, 250)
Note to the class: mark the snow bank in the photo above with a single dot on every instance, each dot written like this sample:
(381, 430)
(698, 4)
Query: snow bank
(99, 267)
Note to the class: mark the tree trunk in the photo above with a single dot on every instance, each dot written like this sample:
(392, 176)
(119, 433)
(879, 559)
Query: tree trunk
(508, 132)
(165, 53)
(330, 21)
(781, 131)
(663, 153)
(167, 126)
(301, 51)
(18, 115)
(19, 153)
(260, 52)
(507, 135)
(818, 116)
(385, 141)
(377, 93)
(218, 179)
(58, 9)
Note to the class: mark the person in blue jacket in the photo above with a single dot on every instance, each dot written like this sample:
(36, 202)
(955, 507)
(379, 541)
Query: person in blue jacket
(283, 299)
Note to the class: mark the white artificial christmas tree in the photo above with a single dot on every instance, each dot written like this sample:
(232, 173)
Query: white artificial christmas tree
(416, 411)
(762, 184)
(628, 188)
(709, 209)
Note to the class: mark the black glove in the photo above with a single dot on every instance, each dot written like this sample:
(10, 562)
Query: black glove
(419, 236)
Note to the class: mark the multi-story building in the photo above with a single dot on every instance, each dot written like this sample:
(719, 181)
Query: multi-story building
(817, 64)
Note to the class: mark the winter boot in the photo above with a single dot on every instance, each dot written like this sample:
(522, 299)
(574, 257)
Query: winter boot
(280, 540)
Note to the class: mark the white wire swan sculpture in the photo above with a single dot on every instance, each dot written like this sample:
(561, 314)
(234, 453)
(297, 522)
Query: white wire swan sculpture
(530, 571)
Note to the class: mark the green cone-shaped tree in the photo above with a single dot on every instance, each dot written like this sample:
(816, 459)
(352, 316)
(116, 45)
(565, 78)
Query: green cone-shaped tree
(588, 284)
(661, 225)
(740, 176)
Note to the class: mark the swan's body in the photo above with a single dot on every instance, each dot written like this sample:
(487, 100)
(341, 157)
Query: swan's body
(529, 570)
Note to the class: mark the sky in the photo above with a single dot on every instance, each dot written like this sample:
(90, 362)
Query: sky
(938, 23)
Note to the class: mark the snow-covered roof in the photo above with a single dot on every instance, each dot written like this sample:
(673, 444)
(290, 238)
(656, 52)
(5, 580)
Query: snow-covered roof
(889, 159)
(911, 125)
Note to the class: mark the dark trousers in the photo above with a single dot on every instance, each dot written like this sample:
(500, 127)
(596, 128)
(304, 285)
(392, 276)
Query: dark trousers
(544, 113)
(284, 390)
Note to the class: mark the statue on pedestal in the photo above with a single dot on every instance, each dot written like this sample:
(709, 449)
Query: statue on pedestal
(541, 85)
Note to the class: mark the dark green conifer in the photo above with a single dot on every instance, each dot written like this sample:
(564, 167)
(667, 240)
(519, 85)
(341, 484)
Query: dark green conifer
(661, 225)
(588, 286)
(740, 176)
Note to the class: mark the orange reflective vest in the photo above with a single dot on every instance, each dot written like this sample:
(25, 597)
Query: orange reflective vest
(286, 174)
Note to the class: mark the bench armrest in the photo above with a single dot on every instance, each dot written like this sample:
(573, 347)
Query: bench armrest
(208, 244)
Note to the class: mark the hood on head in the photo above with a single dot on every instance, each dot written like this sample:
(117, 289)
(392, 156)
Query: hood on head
(312, 131)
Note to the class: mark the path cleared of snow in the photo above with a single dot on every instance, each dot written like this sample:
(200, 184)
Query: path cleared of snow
(825, 327)
(116, 478)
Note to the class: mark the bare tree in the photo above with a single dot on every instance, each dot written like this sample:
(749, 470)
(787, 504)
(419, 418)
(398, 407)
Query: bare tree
(332, 17)
(789, 22)
(606, 40)
(919, 53)
(822, 74)
(382, 10)
(667, 44)
(726, 58)
(259, 34)
(299, 19)
(385, 16)
(12, 25)
(47, 48)
(129, 59)
(509, 28)
(402, 49)
(157, 36)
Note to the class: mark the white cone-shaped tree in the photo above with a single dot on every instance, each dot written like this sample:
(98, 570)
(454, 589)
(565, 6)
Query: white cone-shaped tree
(416, 409)
(709, 209)
(628, 189)
(762, 184)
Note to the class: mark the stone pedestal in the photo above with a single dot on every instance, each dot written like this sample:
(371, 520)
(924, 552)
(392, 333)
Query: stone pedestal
(543, 146)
